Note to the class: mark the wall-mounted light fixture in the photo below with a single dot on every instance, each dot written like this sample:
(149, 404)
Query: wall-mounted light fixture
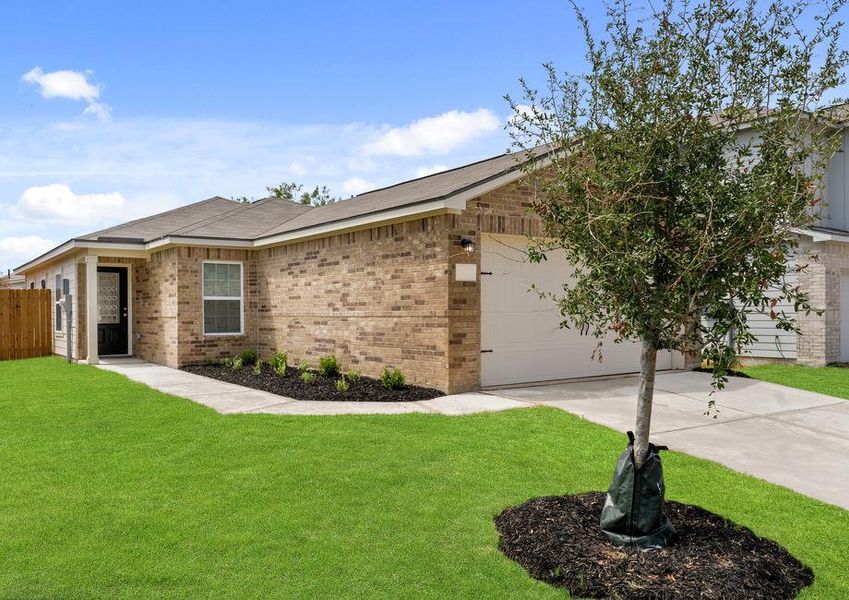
(468, 246)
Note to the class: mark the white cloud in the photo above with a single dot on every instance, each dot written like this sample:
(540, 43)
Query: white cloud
(73, 85)
(56, 203)
(426, 170)
(297, 169)
(100, 110)
(522, 113)
(156, 164)
(357, 185)
(434, 135)
(63, 84)
(16, 250)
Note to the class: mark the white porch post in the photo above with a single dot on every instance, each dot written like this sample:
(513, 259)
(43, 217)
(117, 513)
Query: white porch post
(91, 309)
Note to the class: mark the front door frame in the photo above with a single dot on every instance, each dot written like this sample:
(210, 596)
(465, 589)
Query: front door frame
(129, 268)
(123, 301)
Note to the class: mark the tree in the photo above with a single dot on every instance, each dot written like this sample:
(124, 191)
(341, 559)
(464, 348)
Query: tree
(319, 196)
(676, 172)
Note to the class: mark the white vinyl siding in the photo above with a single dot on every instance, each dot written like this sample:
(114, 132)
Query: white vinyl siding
(66, 270)
(773, 342)
(222, 298)
(836, 209)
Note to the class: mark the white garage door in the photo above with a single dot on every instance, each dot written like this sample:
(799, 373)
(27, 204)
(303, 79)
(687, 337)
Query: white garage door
(521, 338)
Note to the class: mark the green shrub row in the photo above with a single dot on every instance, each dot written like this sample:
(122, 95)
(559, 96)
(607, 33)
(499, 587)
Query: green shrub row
(328, 366)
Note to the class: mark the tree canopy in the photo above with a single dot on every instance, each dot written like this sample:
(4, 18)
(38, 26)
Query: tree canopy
(318, 196)
(676, 172)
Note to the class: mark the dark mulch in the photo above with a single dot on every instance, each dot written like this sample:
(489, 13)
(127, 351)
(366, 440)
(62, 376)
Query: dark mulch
(558, 540)
(731, 373)
(323, 388)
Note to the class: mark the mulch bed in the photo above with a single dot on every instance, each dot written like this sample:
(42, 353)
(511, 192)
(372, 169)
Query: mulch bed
(731, 373)
(559, 541)
(323, 388)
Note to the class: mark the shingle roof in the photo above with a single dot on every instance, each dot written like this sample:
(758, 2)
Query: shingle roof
(228, 219)
(156, 226)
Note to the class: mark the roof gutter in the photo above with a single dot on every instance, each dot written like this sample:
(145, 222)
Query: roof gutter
(823, 236)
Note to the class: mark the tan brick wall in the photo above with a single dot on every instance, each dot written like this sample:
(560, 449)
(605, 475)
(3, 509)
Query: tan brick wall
(155, 308)
(373, 297)
(819, 343)
(506, 210)
(192, 345)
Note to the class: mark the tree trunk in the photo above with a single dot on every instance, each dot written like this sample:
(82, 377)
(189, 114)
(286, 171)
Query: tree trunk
(642, 430)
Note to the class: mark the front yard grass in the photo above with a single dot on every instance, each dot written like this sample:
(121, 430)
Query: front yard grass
(113, 490)
(833, 381)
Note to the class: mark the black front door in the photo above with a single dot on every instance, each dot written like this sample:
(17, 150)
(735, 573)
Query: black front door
(111, 310)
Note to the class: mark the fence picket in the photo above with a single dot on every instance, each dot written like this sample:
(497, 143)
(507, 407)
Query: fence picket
(25, 327)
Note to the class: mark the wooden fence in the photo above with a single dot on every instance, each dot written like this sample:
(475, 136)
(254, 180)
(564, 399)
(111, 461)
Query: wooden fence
(25, 323)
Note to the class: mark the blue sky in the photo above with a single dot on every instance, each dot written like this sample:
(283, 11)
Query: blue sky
(110, 111)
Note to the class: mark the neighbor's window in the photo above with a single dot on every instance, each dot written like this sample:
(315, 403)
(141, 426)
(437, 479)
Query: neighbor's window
(58, 307)
(222, 298)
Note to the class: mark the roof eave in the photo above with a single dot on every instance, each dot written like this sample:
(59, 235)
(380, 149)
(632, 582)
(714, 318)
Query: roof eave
(454, 202)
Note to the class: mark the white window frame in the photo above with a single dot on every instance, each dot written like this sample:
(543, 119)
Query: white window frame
(204, 297)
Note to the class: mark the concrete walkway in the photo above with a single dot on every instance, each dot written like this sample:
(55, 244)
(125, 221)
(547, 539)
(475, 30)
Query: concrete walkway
(791, 437)
(229, 398)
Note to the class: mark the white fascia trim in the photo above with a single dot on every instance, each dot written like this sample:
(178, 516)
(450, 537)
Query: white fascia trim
(176, 240)
(361, 221)
(452, 204)
(821, 236)
(74, 245)
(58, 250)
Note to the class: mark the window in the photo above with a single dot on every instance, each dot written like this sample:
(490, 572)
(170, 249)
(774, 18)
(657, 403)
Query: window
(32, 285)
(222, 298)
(57, 286)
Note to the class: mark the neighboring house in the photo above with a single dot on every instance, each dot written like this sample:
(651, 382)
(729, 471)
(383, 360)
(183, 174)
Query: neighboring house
(426, 275)
(12, 282)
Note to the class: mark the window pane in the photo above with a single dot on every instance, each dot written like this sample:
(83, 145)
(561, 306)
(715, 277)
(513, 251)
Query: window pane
(58, 317)
(222, 280)
(222, 316)
(58, 287)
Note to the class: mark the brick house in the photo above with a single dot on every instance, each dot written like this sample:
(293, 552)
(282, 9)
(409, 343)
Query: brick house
(426, 275)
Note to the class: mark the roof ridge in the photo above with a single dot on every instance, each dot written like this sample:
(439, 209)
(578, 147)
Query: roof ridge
(207, 220)
(245, 208)
(139, 220)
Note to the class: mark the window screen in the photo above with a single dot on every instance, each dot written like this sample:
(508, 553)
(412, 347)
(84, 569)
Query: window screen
(222, 298)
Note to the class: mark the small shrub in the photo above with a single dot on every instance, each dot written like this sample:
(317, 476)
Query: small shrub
(328, 366)
(258, 368)
(279, 362)
(236, 363)
(352, 375)
(249, 357)
(342, 385)
(392, 379)
(308, 376)
(303, 366)
(209, 361)
(227, 362)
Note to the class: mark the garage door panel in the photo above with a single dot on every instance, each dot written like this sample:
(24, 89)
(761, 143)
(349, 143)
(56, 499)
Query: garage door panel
(523, 331)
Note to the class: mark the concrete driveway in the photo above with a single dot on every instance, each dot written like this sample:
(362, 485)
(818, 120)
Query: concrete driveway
(787, 436)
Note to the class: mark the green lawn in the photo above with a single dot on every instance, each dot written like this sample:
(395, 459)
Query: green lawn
(111, 489)
(833, 381)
